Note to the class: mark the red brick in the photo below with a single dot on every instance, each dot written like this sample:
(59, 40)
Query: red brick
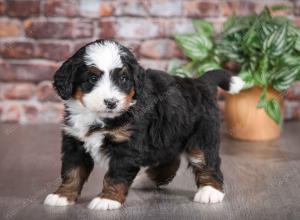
(177, 26)
(11, 113)
(294, 92)
(2, 7)
(58, 29)
(53, 51)
(108, 28)
(90, 9)
(78, 45)
(162, 48)
(18, 90)
(291, 110)
(66, 8)
(9, 28)
(32, 72)
(106, 9)
(23, 8)
(297, 8)
(217, 23)
(131, 28)
(46, 92)
(199, 8)
(165, 8)
(31, 112)
(17, 50)
(133, 45)
(51, 112)
(154, 64)
(271, 4)
(297, 21)
(131, 8)
(238, 7)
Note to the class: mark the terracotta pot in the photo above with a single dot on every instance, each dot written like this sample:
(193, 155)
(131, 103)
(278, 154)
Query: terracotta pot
(245, 121)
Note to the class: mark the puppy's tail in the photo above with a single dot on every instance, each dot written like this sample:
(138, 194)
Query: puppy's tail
(225, 80)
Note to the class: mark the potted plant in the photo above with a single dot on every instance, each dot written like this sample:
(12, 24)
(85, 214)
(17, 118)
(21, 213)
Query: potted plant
(262, 49)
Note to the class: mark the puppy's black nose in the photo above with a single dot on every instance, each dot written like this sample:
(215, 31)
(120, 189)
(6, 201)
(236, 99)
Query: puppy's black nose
(110, 103)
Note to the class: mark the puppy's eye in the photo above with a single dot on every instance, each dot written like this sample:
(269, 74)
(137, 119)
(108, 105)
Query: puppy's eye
(93, 78)
(123, 78)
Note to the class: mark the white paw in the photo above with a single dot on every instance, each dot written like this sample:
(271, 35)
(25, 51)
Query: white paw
(142, 181)
(104, 204)
(56, 200)
(208, 194)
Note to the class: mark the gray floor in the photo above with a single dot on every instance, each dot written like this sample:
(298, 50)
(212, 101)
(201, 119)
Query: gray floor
(262, 181)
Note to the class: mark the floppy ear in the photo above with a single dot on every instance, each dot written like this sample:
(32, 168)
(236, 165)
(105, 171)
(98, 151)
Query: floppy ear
(138, 77)
(63, 79)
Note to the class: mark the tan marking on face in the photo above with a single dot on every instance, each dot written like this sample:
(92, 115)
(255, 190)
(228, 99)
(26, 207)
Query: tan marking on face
(79, 96)
(72, 184)
(163, 173)
(95, 70)
(113, 190)
(129, 98)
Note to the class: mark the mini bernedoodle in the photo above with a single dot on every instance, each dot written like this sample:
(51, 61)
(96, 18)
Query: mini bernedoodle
(137, 122)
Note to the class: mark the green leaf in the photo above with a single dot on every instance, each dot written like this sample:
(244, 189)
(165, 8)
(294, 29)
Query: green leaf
(194, 46)
(266, 29)
(250, 41)
(247, 76)
(182, 72)
(265, 14)
(272, 108)
(203, 27)
(290, 44)
(173, 66)
(297, 44)
(285, 78)
(298, 76)
(261, 75)
(236, 25)
(274, 44)
(291, 60)
(207, 66)
(229, 23)
(228, 51)
(262, 103)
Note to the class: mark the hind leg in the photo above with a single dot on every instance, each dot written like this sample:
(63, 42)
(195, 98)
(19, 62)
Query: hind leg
(156, 176)
(208, 176)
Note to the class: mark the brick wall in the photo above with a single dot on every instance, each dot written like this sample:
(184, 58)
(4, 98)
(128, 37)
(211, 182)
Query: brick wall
(35, 36)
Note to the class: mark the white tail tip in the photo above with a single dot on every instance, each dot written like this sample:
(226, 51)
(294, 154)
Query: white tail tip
(236, 85)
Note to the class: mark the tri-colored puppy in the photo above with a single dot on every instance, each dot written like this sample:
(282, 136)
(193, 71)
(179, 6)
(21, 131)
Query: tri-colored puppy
(119, 114)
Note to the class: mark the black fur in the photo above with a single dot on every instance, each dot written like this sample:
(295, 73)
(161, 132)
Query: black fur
(171, 116)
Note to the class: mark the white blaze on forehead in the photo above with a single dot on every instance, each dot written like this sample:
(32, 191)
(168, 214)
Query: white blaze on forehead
(105, 56)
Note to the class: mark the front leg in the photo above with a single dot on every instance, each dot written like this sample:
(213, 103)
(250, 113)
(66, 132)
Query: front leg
(116, 184)
(76, 167)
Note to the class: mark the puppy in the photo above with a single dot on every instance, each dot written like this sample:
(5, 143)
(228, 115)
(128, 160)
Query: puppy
(126, 118)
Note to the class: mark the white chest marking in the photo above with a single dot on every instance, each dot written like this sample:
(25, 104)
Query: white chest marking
(80, 121)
